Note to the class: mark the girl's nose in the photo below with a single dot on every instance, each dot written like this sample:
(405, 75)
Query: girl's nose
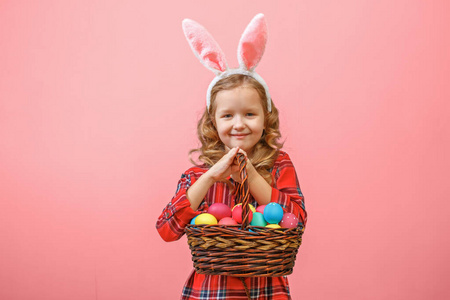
(238, 123)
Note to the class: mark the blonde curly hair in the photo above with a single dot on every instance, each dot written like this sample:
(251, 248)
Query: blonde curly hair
(212, 149)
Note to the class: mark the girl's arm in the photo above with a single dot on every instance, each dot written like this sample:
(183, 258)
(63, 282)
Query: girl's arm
(285, 191)
(178, 212)
(259, 188)
(198, 190)
(191, 190)
(220, 171)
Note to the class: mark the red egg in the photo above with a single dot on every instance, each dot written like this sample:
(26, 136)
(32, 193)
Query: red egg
(251, 207)
(260, 208)
(219, 210)
(237, 214)
(289, 221)
(227, 221)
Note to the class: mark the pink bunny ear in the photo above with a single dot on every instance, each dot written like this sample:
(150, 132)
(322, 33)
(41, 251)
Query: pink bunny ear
(253, 42)
(204, 46)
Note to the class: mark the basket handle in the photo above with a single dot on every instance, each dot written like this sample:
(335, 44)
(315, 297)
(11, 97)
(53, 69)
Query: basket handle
(242, 192)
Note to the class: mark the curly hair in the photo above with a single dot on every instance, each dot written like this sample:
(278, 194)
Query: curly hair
(212, 149)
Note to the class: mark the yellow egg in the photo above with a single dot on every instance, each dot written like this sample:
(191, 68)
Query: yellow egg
(273, 226)
(252, 208)
(205, 218)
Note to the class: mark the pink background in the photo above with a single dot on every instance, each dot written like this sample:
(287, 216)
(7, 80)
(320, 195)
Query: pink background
(98, 109)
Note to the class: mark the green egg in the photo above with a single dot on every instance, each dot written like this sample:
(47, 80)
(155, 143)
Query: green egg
(258, 220)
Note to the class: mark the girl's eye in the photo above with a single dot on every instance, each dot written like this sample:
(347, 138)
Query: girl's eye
(227, 116)
(250, 114)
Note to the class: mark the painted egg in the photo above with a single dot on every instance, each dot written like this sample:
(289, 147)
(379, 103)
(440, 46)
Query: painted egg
(252, 208)
(260, 208)
(258, 220)
(273, 226)
(205, 218)
(219, 210)
(273, 213)
(237, 214)
(227, 221)
(289, 221)
(193, 220)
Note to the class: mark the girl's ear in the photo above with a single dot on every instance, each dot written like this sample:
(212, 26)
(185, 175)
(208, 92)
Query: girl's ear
(253, 43)
(204, 46)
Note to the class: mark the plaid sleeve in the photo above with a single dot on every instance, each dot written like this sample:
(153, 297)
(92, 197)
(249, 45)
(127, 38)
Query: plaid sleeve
(178, 211)
(286, 189)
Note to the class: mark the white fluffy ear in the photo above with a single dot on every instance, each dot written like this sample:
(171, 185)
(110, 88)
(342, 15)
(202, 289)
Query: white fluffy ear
(253, 43)
(204, 46)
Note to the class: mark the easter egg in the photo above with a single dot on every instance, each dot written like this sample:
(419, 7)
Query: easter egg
(237, 214)
(219, 210)
(273, 213)
(258, 220)
(205, 218)
(289, 221)
(227, 221)
(273, 226)
(193, 220)
(260, 208)
(252, 208)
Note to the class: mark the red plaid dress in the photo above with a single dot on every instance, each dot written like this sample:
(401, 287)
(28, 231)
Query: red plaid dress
(171, 223)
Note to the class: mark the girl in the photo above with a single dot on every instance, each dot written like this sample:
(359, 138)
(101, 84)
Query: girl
(239, 117)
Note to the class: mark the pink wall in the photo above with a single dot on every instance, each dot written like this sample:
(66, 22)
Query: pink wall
(98, 104)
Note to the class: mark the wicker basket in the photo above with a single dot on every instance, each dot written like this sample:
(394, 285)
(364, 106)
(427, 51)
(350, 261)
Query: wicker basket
(243, 250)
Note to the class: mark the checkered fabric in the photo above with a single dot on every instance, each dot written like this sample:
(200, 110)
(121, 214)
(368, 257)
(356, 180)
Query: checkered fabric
(172, 221)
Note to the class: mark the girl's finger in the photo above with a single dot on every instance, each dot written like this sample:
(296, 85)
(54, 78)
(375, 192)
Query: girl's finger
(243, 152)
(234, 169)
(233, 152)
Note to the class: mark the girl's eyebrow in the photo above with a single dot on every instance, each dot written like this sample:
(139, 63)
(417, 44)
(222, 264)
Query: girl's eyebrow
(227, 109)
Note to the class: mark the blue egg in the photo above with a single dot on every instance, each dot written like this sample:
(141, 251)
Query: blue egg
(193, 220)
(273, 213)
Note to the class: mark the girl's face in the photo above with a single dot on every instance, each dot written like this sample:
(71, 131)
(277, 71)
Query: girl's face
(239, 117)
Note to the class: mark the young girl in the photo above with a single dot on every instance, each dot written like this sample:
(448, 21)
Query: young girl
(239, 117)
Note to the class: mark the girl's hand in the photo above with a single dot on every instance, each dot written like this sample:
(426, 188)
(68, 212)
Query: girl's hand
(236, 175)
(225, 166)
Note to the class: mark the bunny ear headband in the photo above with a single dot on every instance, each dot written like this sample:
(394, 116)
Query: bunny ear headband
(250, 50)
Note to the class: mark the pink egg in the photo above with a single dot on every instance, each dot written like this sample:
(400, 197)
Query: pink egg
(237, 214)
(219, 210)
(227, 221)
(289, 221)
(260, 208)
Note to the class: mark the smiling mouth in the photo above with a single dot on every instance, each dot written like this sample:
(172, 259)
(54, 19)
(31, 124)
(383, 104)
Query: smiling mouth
(239, 136)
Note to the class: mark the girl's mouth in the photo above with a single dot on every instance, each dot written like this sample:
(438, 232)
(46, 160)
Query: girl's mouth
(239, 136)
